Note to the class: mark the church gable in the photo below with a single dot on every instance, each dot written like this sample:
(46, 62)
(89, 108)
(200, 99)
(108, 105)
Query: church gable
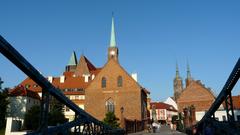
(195, 92)
(115, 76)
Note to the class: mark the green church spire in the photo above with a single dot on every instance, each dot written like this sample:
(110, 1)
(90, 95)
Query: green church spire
(177, 71)
(73, 59)
(112, 41)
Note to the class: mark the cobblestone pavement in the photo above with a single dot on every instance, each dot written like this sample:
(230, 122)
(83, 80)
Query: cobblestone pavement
(164, 130)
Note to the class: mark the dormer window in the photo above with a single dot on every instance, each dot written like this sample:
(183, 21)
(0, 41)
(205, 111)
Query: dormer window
(104, 82)
(27, 86)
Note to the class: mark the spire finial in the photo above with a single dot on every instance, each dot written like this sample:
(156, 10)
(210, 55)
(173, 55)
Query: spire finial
(177, 71)
(188, 71)
(73, 59)
(112, 41)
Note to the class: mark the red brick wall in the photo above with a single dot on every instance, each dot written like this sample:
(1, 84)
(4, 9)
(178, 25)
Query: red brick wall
(196, 94)
(127, 96)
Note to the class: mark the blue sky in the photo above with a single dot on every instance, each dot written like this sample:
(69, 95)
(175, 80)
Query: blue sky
(151, 36)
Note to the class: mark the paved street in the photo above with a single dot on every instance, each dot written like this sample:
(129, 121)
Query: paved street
(164, 130)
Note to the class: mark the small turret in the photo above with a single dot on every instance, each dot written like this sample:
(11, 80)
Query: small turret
(72, 64)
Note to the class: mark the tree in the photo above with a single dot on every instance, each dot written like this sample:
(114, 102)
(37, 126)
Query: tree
(56, 116)
(32, 118)
(177, 119)
(3, 107)
(111, 120)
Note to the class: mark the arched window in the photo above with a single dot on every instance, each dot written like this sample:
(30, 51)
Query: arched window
(119, 81)
(104, 82)
(110, 105)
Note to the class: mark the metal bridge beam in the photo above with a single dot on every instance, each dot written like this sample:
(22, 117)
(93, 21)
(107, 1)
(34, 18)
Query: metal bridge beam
(225, 95)
(229, 108)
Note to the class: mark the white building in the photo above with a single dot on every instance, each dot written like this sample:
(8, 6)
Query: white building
(163, 112)
(172, 102)
(20, 101)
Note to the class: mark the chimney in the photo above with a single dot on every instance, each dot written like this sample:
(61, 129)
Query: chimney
(50, 79)
(86, 77)
(62, 79)
(134, 76)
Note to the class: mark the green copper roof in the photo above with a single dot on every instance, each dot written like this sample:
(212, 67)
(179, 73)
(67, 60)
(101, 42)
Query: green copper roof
(73, 59)
(112, 41)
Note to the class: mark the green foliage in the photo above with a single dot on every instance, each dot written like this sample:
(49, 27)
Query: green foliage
(2, 131)
(3, 107)
(174, 119)
(32, 118)
(111, 120)
(55, 115)
(177, 119)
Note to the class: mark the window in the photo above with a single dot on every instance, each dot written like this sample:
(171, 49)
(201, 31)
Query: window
(224, 118)
(110, 105)
(27, 86)
(119, 81)
(238, 117)
(104, 82)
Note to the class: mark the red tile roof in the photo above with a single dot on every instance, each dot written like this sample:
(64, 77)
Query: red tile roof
(22, 91)
(236, 102)
(70, 82)
(89, 64)
(161, 105)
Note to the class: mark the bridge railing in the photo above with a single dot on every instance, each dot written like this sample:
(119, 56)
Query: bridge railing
(89, 124)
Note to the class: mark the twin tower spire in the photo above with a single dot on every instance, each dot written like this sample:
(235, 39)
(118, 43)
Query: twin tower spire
(112, 50)
(188, 72)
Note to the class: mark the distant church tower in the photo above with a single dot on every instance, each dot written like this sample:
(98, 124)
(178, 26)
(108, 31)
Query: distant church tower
(112, 49)
(72, 64)
(178, 84)
(189, 78)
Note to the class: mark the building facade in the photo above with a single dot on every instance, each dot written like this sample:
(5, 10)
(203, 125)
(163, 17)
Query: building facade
(163, 112)
(114, 90)
(99, 90)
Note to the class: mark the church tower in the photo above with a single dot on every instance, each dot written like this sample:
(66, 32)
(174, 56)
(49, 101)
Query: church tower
(178, 85)
(112, 49)
(72, 64)
(189, 78)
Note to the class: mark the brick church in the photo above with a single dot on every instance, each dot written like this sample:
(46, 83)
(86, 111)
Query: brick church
(195, 93)
(99, 90)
